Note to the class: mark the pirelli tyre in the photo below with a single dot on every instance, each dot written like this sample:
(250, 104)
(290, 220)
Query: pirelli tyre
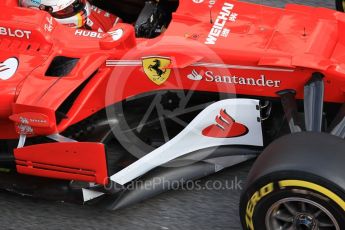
(298, 182)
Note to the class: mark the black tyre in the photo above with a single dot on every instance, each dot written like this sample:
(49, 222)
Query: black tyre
(297, 183)
(340, 5)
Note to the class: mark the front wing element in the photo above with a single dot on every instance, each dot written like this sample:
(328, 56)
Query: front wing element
(69, 161)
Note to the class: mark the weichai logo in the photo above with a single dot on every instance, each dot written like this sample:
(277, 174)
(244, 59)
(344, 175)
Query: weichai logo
(218, 29)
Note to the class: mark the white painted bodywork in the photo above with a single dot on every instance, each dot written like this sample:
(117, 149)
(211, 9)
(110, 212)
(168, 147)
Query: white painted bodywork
(244, 111)
(90, 194)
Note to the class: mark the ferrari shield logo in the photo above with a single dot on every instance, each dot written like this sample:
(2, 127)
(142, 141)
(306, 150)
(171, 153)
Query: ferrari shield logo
(156, 69)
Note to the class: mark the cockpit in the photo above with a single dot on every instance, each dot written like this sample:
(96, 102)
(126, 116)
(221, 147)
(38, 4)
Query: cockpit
(150, 18)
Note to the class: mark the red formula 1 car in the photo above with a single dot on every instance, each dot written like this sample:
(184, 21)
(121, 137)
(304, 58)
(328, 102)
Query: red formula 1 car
(183, 90)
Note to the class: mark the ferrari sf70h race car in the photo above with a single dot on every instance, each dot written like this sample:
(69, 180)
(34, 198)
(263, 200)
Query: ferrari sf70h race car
(178, 91)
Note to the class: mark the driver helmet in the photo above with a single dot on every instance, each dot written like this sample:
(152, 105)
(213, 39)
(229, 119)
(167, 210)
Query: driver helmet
(72, 13)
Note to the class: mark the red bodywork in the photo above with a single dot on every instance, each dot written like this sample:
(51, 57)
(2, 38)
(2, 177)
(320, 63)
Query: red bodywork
(64, 161)
(282, 47)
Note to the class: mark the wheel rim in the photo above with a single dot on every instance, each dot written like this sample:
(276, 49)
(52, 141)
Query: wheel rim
(300, 214)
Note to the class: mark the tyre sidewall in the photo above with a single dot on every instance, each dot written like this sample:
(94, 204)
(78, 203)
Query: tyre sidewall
(260, 196)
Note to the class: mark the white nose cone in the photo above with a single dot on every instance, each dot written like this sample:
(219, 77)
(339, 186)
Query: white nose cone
(8, 68)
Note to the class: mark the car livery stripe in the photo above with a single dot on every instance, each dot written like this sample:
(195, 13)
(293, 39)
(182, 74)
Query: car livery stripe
(315, 187)
(112, 63)
(228, 66)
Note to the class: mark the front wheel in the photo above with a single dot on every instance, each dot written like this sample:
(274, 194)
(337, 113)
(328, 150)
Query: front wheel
(291, 205)
(297, 183)
(301, 210)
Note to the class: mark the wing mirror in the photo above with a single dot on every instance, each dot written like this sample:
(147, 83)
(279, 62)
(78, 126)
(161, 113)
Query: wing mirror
(121, 36)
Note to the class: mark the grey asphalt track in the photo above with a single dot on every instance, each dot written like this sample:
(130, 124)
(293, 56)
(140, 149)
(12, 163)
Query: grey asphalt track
(178, 209)
(181, 209)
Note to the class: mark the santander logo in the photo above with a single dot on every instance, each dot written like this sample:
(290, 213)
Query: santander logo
(8, 68)
(194, 76)
(210, 76)
(225, 127)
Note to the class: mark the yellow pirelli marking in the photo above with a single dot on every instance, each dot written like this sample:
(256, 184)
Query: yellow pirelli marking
(304, 184)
